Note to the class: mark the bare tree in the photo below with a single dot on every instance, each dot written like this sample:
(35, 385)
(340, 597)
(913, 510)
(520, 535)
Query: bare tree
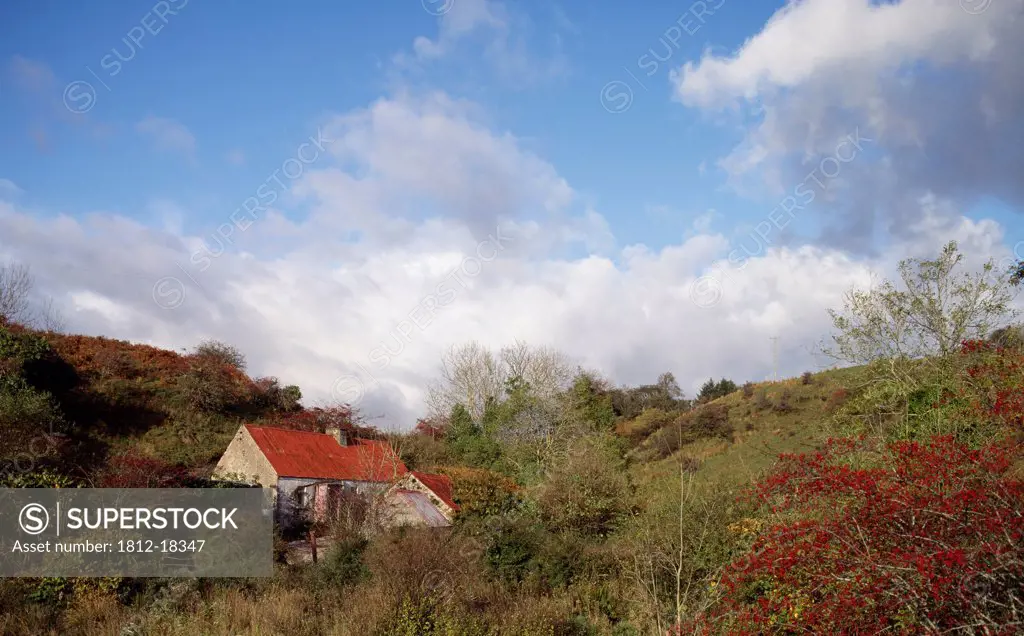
(15, 285)
(547, 370)
(472, 375)
(49, 318)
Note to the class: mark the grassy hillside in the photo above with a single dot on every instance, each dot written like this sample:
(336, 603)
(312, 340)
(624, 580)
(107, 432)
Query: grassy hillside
(750, 428)
(112, 398)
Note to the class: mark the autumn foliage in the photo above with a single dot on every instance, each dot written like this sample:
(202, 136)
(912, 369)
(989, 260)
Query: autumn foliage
(317, 419)
(91, 355)
(995, 376)
(481, 491)
(929, 538)
(136, 471)
(431, 427)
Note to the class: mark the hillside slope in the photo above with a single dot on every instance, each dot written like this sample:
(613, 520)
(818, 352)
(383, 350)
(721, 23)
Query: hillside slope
(73, 404)
(740, 435)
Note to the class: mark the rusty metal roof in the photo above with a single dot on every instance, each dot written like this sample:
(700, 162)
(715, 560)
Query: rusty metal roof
(319, 456)
(440, 485)
(421, 505)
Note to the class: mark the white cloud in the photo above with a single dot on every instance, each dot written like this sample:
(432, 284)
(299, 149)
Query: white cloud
(462, 19)
(938, 90)
(808, 38)
(425, 182)
(436, 150)
(309, 322)
(504, 42)
(167, 134)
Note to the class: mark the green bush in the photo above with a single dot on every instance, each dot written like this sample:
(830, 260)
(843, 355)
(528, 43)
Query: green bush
(430, 618)
(38, 478)
(511, 549)
(646, 423)
(343, 564)
(28, 418)
(587, 492)
(21, 350)
(711, 390)
(270, 395)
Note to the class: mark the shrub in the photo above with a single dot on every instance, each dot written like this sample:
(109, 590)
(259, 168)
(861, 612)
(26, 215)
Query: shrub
(28, 419)
(836, 400)
(480, 492)
(712, 421)
(807, 378)
(20, 350)
(707, 421)
(511, 546)
(748, 390)
(931, 539)
(116, 363)
(269, 394)
(644, 424)
(762, 402)
(343, 564)
(135, 471)
(219, 352)
(995, 388)
(204, 391)
(1011, 337)
(587, 492)
(689, 464)
(427, 618)
(421, 452)
(213, 386)
(785, 403)
(433, 428)
(711, 390)
(419, 564)
(318, 419)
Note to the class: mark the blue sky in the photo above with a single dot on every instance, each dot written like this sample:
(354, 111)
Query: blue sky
(253, 78)
(682, 181)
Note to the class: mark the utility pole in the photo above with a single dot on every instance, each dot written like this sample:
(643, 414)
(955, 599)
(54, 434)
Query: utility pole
(775, 358)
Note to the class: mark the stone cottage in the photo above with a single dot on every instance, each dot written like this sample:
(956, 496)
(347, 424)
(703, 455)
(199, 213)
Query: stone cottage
(315, 472)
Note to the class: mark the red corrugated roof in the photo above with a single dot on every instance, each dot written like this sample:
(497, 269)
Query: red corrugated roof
(320, 456)
(441, 486)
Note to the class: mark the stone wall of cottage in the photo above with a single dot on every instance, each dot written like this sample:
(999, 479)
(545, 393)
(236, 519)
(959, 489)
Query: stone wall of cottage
(243, 460)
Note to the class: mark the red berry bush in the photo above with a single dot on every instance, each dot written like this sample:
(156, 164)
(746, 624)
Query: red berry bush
(927, 537)
(995, 377)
